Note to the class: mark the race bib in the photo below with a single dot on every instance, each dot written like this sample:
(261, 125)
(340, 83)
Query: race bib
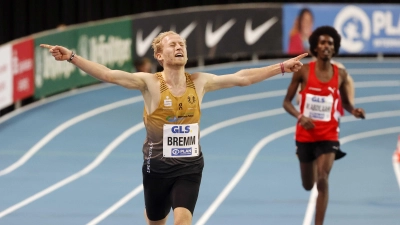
(181, 140)
(318, 107)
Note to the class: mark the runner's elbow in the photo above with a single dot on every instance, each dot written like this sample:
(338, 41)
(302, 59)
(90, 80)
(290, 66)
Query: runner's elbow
(244, 81)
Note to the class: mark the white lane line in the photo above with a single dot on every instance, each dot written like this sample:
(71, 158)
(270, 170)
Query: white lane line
(249, 117)
(373, 71)
(243, 98)
(205, 105)
(117, 205)
(68, 180)
(368, 84)
(99, 159)
(46, 139)
(204, 133)
(314, 193)
(29, 154)
(378, 98)
(282, 92)
(54, 98)
(250, 158)
(242, 171)
(312, 201)
(254, 116)
(231, 122)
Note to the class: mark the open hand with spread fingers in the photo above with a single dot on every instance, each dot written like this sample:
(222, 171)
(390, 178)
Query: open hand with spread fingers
(294, 64)
(59, 53)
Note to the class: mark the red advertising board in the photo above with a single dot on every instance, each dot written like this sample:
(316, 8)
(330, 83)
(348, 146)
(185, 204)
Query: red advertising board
(22, 69)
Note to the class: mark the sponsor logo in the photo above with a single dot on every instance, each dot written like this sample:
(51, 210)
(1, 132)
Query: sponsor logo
(191, 99)
(314, 89)
(142, 45)
(181, 151)
(180, 129)
(252, 36)
(364, 32)
(315, 115)
(45, 69)
(318, 99)
(101, 49)
(354, 26)
(21, 66)
(187, 31)
(213, 37)
(23, 84)
(167, 102)
(173, 119)
(148, 158)
(331, 89)
(178, 118)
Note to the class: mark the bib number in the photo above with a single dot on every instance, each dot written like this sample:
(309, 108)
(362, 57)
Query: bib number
(181, 140)
(318, 107)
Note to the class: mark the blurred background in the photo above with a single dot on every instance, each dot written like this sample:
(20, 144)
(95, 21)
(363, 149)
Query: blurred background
(94, 27)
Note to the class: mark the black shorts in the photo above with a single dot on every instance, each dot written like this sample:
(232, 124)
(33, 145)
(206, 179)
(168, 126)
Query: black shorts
(309, 151)
(162, 194)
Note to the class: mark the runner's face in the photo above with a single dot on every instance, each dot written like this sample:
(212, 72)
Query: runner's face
(174, 50)
(325, 48)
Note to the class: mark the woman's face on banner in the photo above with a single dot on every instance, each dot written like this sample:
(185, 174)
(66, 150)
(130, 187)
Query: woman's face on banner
(306, 24)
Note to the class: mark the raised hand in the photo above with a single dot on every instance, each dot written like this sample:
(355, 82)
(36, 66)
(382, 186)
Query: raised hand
(294, 64)
(58, 52)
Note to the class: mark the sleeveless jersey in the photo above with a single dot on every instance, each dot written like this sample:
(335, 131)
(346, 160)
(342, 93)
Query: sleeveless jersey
(319, 101)
(171, 109)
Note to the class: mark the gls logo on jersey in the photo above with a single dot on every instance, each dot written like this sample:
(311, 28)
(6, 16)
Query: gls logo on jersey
(318, 99)
(180, 129)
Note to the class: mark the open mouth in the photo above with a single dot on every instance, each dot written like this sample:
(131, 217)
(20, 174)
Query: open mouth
(179, 55)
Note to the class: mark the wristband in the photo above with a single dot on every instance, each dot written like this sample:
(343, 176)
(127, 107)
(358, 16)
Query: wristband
(282, 68)
(299, 116)
(72, 57)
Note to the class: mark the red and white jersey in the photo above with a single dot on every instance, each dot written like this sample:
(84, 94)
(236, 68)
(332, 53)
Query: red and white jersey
(319, 101)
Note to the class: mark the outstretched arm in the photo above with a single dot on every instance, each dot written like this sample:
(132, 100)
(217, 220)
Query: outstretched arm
(98, 71)
(250, 76)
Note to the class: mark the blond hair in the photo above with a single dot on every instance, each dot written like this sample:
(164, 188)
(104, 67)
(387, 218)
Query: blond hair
(157, 46)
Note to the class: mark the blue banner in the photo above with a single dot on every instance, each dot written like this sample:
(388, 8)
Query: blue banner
(364, 28)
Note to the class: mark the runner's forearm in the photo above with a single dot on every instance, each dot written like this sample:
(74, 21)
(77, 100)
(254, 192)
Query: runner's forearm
(95, 70)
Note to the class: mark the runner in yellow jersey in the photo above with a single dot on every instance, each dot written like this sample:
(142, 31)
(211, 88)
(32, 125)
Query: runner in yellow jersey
(173, 160)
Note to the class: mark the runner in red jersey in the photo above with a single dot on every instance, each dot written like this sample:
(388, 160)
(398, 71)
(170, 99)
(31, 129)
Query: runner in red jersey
(317, 132)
